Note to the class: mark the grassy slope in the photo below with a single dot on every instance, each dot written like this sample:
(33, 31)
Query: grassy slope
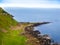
(9, 37)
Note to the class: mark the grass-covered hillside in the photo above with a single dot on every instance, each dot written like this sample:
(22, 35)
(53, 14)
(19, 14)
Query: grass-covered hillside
(9, 31)
(6, 21)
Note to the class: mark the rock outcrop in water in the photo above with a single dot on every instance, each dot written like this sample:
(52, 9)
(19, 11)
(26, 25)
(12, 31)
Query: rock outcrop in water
(36, 34)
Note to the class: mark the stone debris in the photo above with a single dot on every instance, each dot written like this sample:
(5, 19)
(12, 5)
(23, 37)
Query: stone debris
(38, 38)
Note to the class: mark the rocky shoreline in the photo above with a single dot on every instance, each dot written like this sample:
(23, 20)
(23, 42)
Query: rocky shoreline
(39, 39)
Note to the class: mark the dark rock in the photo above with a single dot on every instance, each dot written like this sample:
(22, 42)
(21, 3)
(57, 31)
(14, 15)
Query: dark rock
(38, 24)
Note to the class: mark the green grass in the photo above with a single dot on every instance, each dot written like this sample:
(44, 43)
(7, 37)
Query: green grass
(12, 37)
(7, 21)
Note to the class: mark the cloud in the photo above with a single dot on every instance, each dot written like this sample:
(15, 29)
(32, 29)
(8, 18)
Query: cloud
(31, 3)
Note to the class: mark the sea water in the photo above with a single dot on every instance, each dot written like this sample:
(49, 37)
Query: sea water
(39, 15)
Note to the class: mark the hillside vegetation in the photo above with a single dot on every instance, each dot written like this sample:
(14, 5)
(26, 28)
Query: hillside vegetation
(9, 35)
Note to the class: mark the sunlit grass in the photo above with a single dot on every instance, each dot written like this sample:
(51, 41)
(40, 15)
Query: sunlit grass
(11, 37)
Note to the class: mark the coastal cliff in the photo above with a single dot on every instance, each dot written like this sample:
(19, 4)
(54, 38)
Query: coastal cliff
(13, 32)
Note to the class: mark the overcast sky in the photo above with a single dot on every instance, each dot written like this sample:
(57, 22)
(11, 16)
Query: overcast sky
(30, 3)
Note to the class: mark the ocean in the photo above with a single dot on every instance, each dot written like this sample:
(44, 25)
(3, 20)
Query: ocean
(39, 15)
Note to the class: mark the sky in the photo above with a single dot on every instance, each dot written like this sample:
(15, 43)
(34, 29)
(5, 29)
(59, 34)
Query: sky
(29, 13)
(30, 3)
